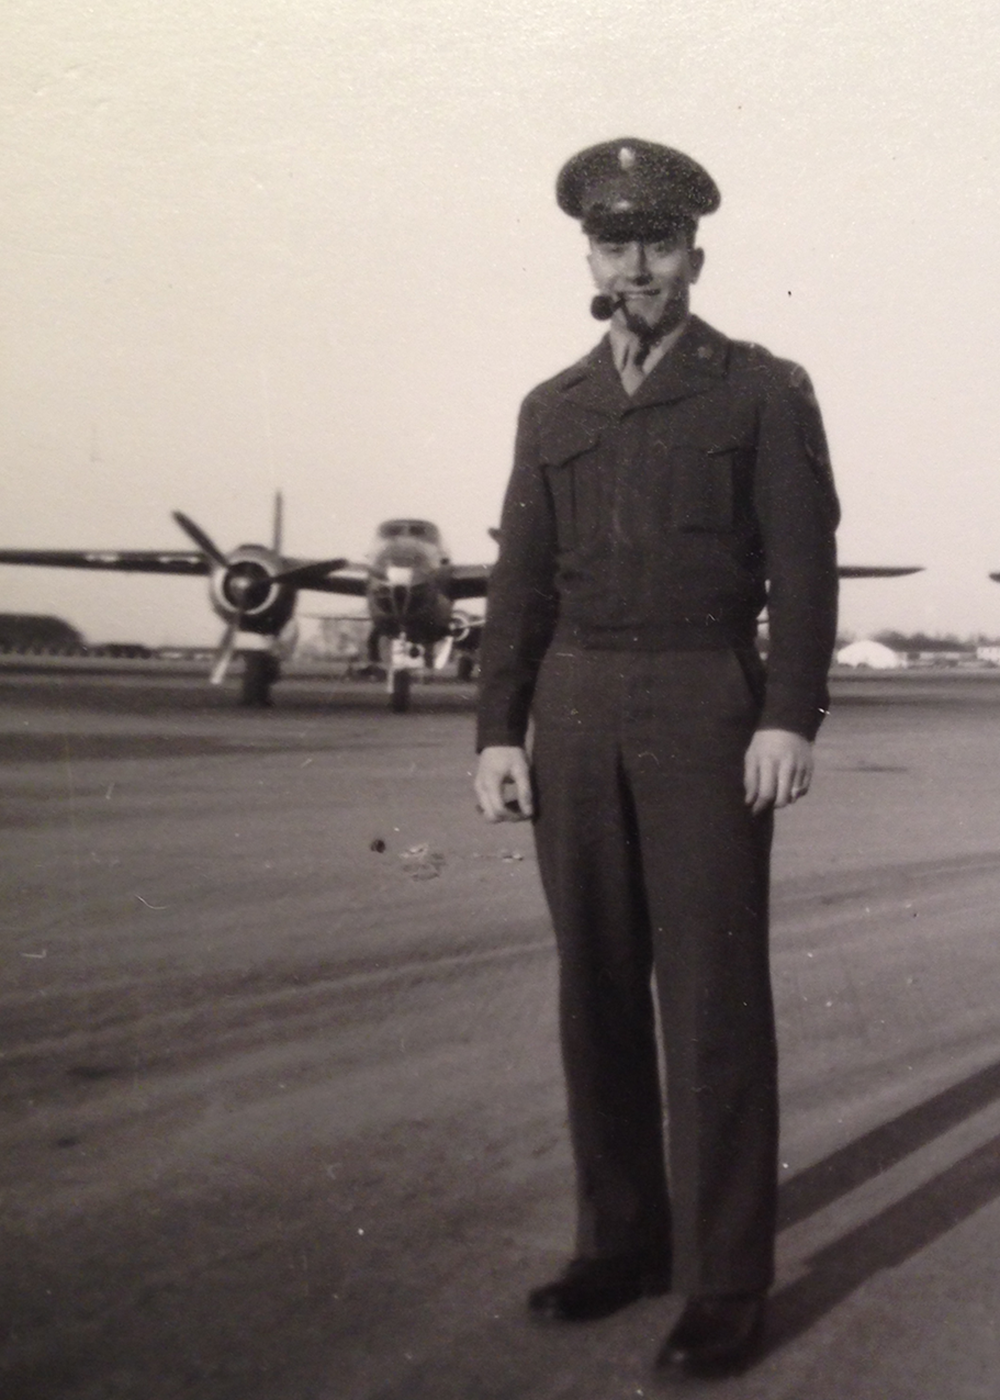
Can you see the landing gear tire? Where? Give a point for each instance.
(465, 667)
(260, 671)
(399, 694)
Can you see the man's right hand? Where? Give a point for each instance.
(503, 784)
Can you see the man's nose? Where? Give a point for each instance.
(636, 266)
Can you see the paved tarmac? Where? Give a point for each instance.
(282, 1114)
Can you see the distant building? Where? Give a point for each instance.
(942, 656)
(990, 654)
(874, 655)
(135, 651)
(34, 632)
(331, 638)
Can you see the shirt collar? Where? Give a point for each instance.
(625, 345)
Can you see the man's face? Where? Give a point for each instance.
(652, 278)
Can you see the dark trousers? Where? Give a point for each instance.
(652, 864)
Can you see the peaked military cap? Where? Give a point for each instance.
(634, 189)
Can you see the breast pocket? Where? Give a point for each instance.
(702, 488)
(570, 461)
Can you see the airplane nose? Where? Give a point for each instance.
(399, 578)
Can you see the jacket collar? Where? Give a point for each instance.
(696, 363)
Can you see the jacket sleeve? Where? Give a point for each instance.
(798, 512)
(521, 601)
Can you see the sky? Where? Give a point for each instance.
(314, 247)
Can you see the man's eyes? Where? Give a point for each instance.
(654, 250)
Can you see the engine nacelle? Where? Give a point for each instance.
(244, 588)
(460, 626)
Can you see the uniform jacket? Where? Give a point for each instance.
(667, 520)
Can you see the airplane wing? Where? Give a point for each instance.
(464, 581)
(470, 580)
(467, 580)
(351, 579)
(129, 561)
(877, 570)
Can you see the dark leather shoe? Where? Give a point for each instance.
(591, 1288)
(715, 1335)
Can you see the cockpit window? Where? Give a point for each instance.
(412, 529)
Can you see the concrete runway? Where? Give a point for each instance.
(283, 1115)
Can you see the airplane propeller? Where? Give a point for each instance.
(247, 583)
(297, 575)
(301, 575)
(278, 523)
(224, 655)
(208, 547)
(197, 534)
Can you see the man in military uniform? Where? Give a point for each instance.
(663, 489)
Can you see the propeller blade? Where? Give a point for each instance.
(224, 655)
(278, 522)
(302, 572)
(196, 533)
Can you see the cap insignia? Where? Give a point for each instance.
(626, 158)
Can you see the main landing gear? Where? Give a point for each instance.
(260, 671)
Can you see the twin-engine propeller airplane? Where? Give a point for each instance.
(409, 583)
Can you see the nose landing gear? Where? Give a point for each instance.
(399, 693)
(404, 659)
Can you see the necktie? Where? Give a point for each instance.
(632, 371)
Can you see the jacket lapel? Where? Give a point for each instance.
(597, 385)
(696, 363)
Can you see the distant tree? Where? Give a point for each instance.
(35, 632)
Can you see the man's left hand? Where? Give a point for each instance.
(777, 770)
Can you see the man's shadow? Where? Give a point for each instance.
(900, 1230)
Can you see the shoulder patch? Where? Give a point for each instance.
(748, 355)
